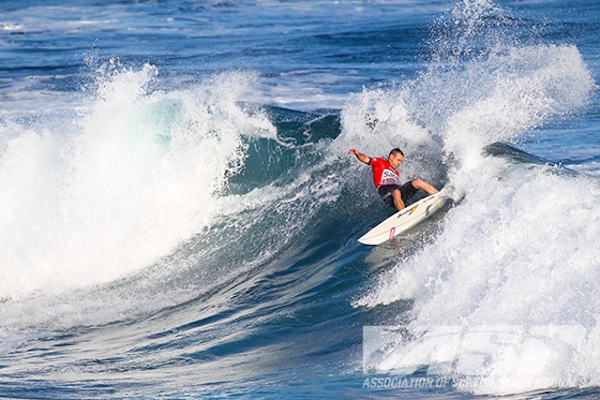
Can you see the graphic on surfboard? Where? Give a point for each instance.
(404, 220)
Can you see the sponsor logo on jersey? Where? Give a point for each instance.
(389, 178)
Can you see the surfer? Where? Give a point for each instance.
(387, 179)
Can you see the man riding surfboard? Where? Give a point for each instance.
(387, 179)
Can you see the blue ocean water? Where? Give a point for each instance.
(180, 212)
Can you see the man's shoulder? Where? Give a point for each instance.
(376, 161)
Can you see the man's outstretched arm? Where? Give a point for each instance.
(362, 157)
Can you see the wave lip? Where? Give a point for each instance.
(111, 190)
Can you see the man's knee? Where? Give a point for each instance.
(417, 183)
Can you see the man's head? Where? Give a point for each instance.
(396, 157)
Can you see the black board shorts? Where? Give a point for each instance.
(406, 192)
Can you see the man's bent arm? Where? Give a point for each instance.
(362, 157)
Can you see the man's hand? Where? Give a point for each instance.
(362, 157)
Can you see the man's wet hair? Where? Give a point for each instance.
(396, 150)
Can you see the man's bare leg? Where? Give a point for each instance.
(423, 185)
(398, 200)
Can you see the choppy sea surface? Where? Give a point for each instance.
(179, 213)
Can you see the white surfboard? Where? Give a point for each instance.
(404, 220)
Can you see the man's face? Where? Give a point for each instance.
(396, 159)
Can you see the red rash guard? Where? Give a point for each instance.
(383, 173)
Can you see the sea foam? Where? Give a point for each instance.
(91, 197)
(518, 251)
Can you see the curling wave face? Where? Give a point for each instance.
(98, 196)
